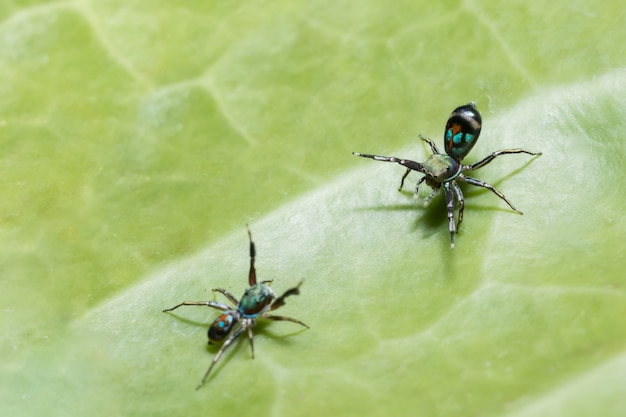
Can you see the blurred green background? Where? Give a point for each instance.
(136, 140)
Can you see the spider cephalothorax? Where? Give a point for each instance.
(257, 301)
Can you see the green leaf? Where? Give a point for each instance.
(137, 140)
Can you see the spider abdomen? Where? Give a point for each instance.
(222, 325)
(462, 131)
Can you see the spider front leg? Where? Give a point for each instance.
(410, 165)
(227, 294)
(490, 187)
(219, 353)
(213, 304)
(493, 156)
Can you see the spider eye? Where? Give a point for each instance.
(462, 131)
(222, 325)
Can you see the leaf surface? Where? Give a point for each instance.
(138, 139)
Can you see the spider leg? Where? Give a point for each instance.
(280, 301)
(251, 339)
(433, 147)
(219, 353)
(493, 155)
(227, 294)
(411, 165)
(283, 318)
(431, 195)
(417, 187)
(219, 306)
(450, 206)
(406, 174)
(483, 184)
(459, 197)
(252, 273)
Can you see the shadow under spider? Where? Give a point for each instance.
(261, 328)
(468, 191)
(190, 321)
(479, 190)
(431, 215)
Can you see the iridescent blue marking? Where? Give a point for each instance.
(222, 325)
(462, 130)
